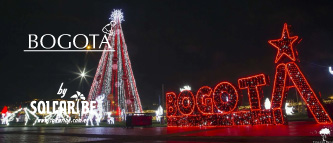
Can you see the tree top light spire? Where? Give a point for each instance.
(117, 15)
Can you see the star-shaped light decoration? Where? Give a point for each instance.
(284, 45)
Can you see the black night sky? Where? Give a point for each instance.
(174, 43)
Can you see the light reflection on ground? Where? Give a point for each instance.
(294, 132)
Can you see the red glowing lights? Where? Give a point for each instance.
(171, 105)
(204, 100)
(284, 45)
(225, 97)
(253, 85)
(186, 102)
(290, 73)
(219, 107)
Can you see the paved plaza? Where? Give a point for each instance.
(306, 132)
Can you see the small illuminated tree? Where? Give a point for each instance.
(324, 132)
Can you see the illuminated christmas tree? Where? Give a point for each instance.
(114, 75)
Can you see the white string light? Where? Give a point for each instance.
(289, 110)
(27, 117)
(58, 116)
(159, 113)
(11, 116)
(96, 113)
(123, 115)
(117, 15)
(267, 104)
(110, 119)
(324, 132)
(186, 87)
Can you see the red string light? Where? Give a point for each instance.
(205, 100)
(231, 97)
(253, 84)
(284, 45)
(218, 108)
(307, 94)
(186, 102)
(278, 94)
(171, 105)
(291, 72)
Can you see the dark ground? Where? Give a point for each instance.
(299, 132)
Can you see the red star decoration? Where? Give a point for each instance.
(284, 45)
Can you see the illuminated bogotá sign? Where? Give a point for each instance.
(218, 106)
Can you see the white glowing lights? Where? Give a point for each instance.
(83, 74)
(58, 116)
(289, 109)
(159, 113)
(27, 117)
(123, 115)
(5, 118)
(324, 132)
(117, 16)
(58, 111)
(186, 87)
(61, 115)
(96, 114)
(267, 104)
(8, 117)
(109, 118)
(330, 70)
